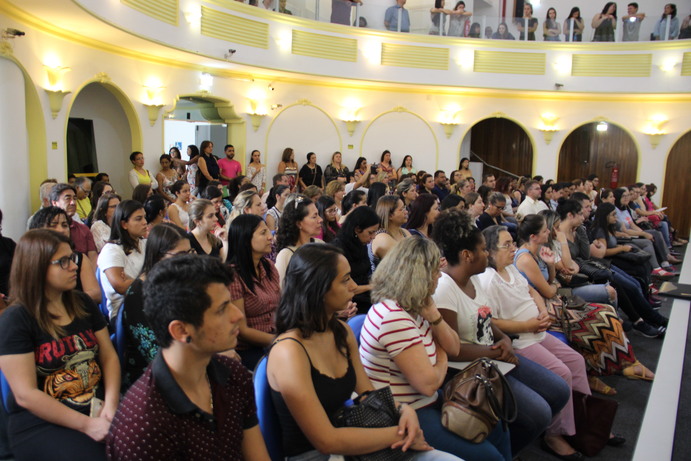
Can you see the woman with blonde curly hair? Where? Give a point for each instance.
(247, 202)
(404, 344)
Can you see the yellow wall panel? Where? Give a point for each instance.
(611, 65)
(422, 57)
(324, 46)
(508, 62)
(686, 65)
(234, 28)
(163, 10)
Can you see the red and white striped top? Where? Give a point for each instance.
(389, 330)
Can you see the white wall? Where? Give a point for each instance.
(14, 148)
(178, 131)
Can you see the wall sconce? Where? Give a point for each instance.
(371, 51)
(654, 129)
(349, 114)
(152, 90)
(206, 81)
(668, 65)
(284, 40)
(257, 112)
(548, 126)
(448, 118)
(602, 127)
(466, 59)
(351, 125)
(54, 76)
(55, 98)
(193, 16)
(153, 110)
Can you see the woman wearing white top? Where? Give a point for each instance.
(178, 212)
(257, 172)
(274, 214)
(122, 258)
(299, 224)
(519, 309)
(102, 219)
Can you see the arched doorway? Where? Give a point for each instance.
(100, 134)
(594, 148)
(502, 143)
(677, 186)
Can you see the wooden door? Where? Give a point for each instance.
(677, 186)
(586, 151)
(502, 143)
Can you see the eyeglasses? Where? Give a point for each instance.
(508, 246)
(66, 260)
(191, 251)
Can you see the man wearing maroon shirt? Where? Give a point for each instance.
(190, 403)
(65, 196)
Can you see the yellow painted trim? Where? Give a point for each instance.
(400, 109)
(611, 65)
(324, 46)
(419, 57)
(301, 102)
(330, 82)
(686, 65)
(163, 10)
(507, 62)
(37, 142)
(639, 153)
(235, 29)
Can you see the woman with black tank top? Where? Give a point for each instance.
(314, 365)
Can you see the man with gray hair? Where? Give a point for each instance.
(44, 194)
(83, 186)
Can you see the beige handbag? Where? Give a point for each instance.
(476, 399)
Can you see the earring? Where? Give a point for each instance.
(188, 339)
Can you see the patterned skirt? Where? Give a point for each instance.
(597, 333)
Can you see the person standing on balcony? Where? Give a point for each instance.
(392, 15)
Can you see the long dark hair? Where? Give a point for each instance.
(271, 199)
(118, 234)
(352, 198)
(294, 212)
(309, 277)
(419, 209)
(531, 225)
(240, 233)
(329, 229)
(606, 8)
(359, 162)
(600, 221)
(44, 217)
(567, 206)
(162, 238)
(574, 10)
(376, 191)
(195, 151)
(101, 210)
(153, 206)
(361, 218)
(32, 258)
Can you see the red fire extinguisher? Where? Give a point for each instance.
(614, 177)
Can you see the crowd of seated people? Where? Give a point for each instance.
(443, 270)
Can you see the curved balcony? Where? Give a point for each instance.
(229, 36)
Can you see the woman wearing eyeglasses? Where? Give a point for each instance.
(55, 218)
(56, 355)
(165, 241)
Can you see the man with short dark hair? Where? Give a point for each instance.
(440, 188)
(489, 180)
(102, 177)
(65, 196)
(279, 179)
(532, 203)
(190, 403)
(632, 23)
(228, 167)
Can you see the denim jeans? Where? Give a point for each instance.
(595, 293)
(635, 293)
(496, 447)
(540, 395)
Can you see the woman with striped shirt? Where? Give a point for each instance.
(404, 344)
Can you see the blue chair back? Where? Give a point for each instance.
(266, 412)
(559, 335)
(355, 324)
(103, 306)
(4, 391)
(119, 336)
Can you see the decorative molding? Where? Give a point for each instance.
(324, 46)
(611, 65)
(509, 62)
(163, 10)
(55, 99)
(234, 28)
(419, 57)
